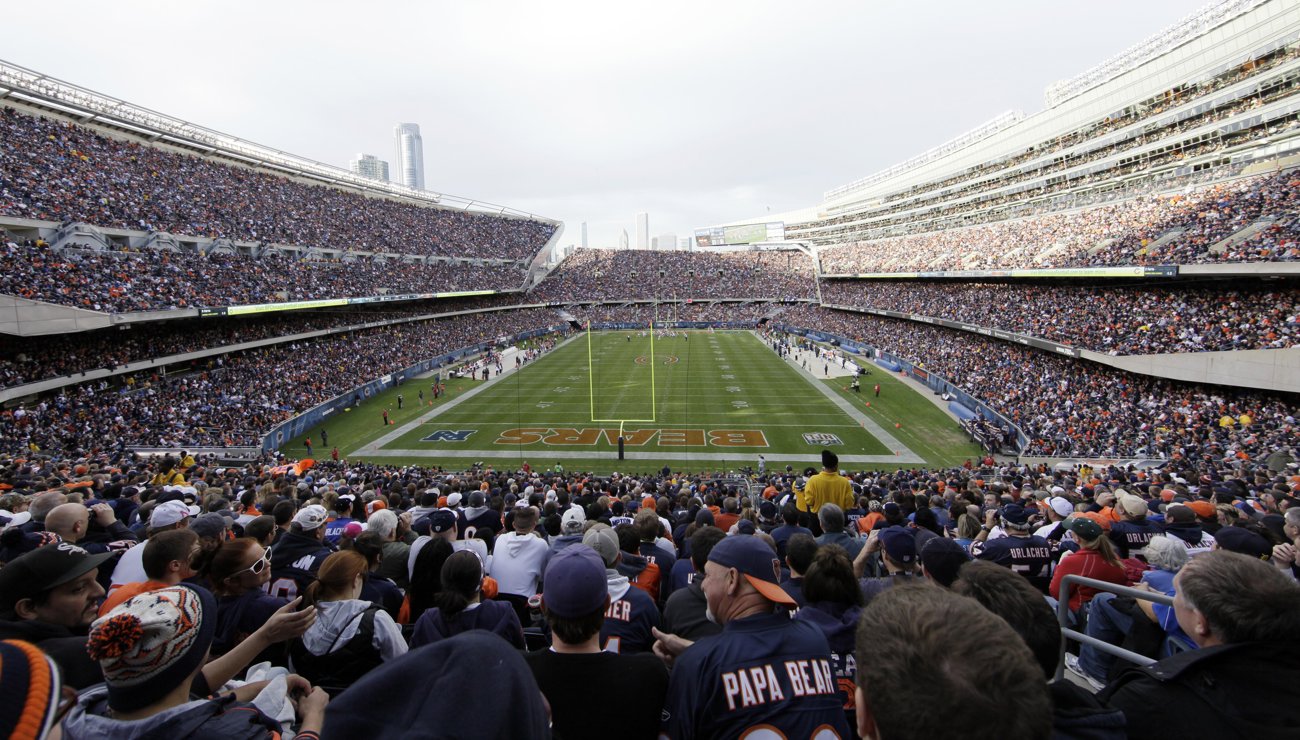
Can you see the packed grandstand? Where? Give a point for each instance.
(1115, 280)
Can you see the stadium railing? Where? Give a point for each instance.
(1063, 617)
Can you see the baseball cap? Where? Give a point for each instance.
(573, 520)
(311, 517)
(899, 543)
(441, 520)
(454, 499)
(744, 526)
(1133, 505)
(575, 584)
(1015, 514)
(1244, 541)
(1203, 509)
(42, 569)
(209, 525)
(942, 559)
(167, 513)
(374, 506)
(1085, 528)
(756, 562)
(1061, 505)
(603, 540)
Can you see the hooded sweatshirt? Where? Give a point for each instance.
(518, 561)
(641, 573)
(631, 616)
(337, 622)
(218, 719)
(1195, 538)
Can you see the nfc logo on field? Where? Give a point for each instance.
(449, 435)
(821, 439)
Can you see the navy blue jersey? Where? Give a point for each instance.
(294, 562)
(1031, 557)
(468, 526)
(628, 622)
(1131, 538)
(764, 671)
(683, 574)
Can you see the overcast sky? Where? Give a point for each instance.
(696, 112)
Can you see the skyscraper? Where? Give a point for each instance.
(368, 165)
(667, 242)
(643, 231)
(622, 240)
(410, 155)
(584, 235)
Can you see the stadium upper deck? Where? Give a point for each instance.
(1200, 100)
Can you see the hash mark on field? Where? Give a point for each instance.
(734, 389)
(740, 404)
(545, 405)
(560, 389)
(724, 367)
(728, 377)
(575, 377)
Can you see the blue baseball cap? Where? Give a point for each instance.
(1015, 514)
(756, 562)
(575, 584)
(899, 544)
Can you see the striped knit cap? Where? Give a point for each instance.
(30, 699)
(151, 643)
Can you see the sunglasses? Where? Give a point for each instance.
(259, 565)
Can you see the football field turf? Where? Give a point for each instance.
(715, 401)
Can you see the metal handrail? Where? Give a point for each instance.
(1063, 613)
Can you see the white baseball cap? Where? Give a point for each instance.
(168, 513)
(573, 519)
(454, 499)
(311, 517)
(1061, 505)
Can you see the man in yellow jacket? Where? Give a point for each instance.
(827, 487)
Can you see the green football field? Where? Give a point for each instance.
(710, 402)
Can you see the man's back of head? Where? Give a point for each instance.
(1230, 598)
(916, 678)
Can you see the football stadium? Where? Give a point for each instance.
(1000, 440)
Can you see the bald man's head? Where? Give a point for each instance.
(69, 521)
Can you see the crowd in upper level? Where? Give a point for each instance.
(54, 170)
(1145, 319)
(1167, 228)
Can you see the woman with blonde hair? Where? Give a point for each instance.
(351, 636)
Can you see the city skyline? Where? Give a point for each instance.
(410, 155)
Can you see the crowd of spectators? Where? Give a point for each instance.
(642, 274)
(1142, 319)
(640, 577)
(54, 170)
(1148, 109)
(1119, 233)
(742, 313)
(1072, 408)
(235, 399)
(30, 359)
(153, 280)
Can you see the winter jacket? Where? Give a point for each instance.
(1242, 690)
